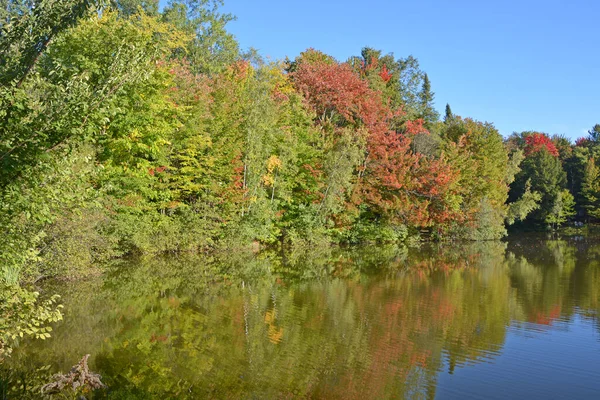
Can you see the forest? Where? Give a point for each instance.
(126, 129)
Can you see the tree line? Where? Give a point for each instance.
(126, 129)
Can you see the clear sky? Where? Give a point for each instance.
(521, 64)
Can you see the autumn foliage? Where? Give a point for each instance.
(331, 88)
(202, 143)
(538, 141)
(402, 185)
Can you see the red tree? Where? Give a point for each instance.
(401, 184)
(582, 142)
(538, 141)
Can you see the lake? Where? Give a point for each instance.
(498, 320)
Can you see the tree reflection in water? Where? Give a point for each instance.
(378, 322)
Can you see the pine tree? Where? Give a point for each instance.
(449, 116)
(426, 96)
(594, 133)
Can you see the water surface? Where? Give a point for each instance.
(494, 320)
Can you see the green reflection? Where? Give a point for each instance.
(380, 322)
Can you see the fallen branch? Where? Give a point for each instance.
(78, 378)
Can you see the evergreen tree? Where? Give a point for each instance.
(449, 116)
(426, 97)
(520, 209)
(564, 147)
(590, 189)
(594, 133)
(575, 167)
(547, 176)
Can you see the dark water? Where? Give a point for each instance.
(494, 321)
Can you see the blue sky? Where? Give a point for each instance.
(523, 65)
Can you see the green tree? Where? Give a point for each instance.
(448, 114)
(590, 189)
(398, 80)
(594, 133)
(213, 48)
(483, 162)
(564, 147)
(27, 31)
(28, 126)
(519, 210)
(547, 177)
(427, 110)
(131, 7)
(575, 169)
(87, 79)
(562, 208)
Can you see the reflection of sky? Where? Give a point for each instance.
(561, 361)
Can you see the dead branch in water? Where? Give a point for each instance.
(79, 378)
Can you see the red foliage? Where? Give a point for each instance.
(153, 171)
(332, 88)
(582, 141)
(238, 172)
(542, 318)
(188, 88)
(240, 69)
(385, 74)
(368, 65)
(372, 64)
(538, 141)
(403, 185)
(158, 338)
